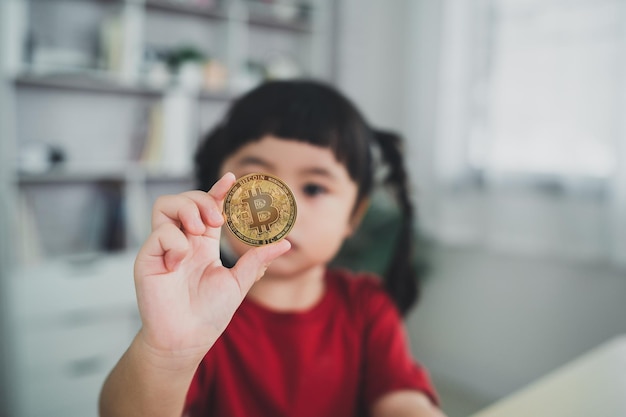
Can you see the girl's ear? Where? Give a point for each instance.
(357, 216)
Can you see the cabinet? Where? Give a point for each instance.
(102, 103)
(69, 324)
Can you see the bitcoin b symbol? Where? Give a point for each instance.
(261, 209)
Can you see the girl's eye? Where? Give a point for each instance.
(313, 190)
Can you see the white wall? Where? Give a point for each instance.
(421, 102)
(490, 323)
(5, 178)
(388, 63)
(371, 69)
(4, 254)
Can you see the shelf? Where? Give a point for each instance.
(163, 177)
(214, 12)
(88, 82)
(187, 8)
(216, 95)
(60, 176)
(65, 177)
(84, 81)
(267, 20)
(274, 23)
(115, 75)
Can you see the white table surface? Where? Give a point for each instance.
(594, 385)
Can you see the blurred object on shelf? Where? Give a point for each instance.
(151, 152)
(111, 43)
(158, 75)
(170, 135)
(28, 246)
(190, 76)
(74, 48)
(255, 72)
(39, 157)
(154, 67)
(287, 10)
(252, 74)
(177, 57)
(178, 132)
(282, 67)
(185, 64)
(59, 57)
(215, 76)
(185, 67)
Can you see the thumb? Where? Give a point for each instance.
(252, 265)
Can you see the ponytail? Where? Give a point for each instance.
(401, 276)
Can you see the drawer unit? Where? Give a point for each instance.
(69, 326)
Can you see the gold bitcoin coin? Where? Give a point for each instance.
(260, 209)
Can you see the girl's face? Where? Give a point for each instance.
(324, 192)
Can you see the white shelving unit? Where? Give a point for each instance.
(86, 79)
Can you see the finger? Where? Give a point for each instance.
(221, 187)
(179, 210)
(163, 250)
(216, 196)
(206, 207)
(210, 203)
(252, 265)
(192, 210)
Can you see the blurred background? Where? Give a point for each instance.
(514, 116)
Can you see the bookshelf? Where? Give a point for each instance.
(144, 68)
(102, 103)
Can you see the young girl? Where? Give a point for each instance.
(216, 340)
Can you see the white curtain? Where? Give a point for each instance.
(527, 147)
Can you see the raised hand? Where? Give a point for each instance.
(186, 297)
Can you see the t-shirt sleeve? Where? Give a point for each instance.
(389, 365)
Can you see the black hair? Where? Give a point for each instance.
(401, 279)
(316, 113)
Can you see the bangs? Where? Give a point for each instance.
(304, 111)
(301, 111)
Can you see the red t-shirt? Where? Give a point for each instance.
(335, 359)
